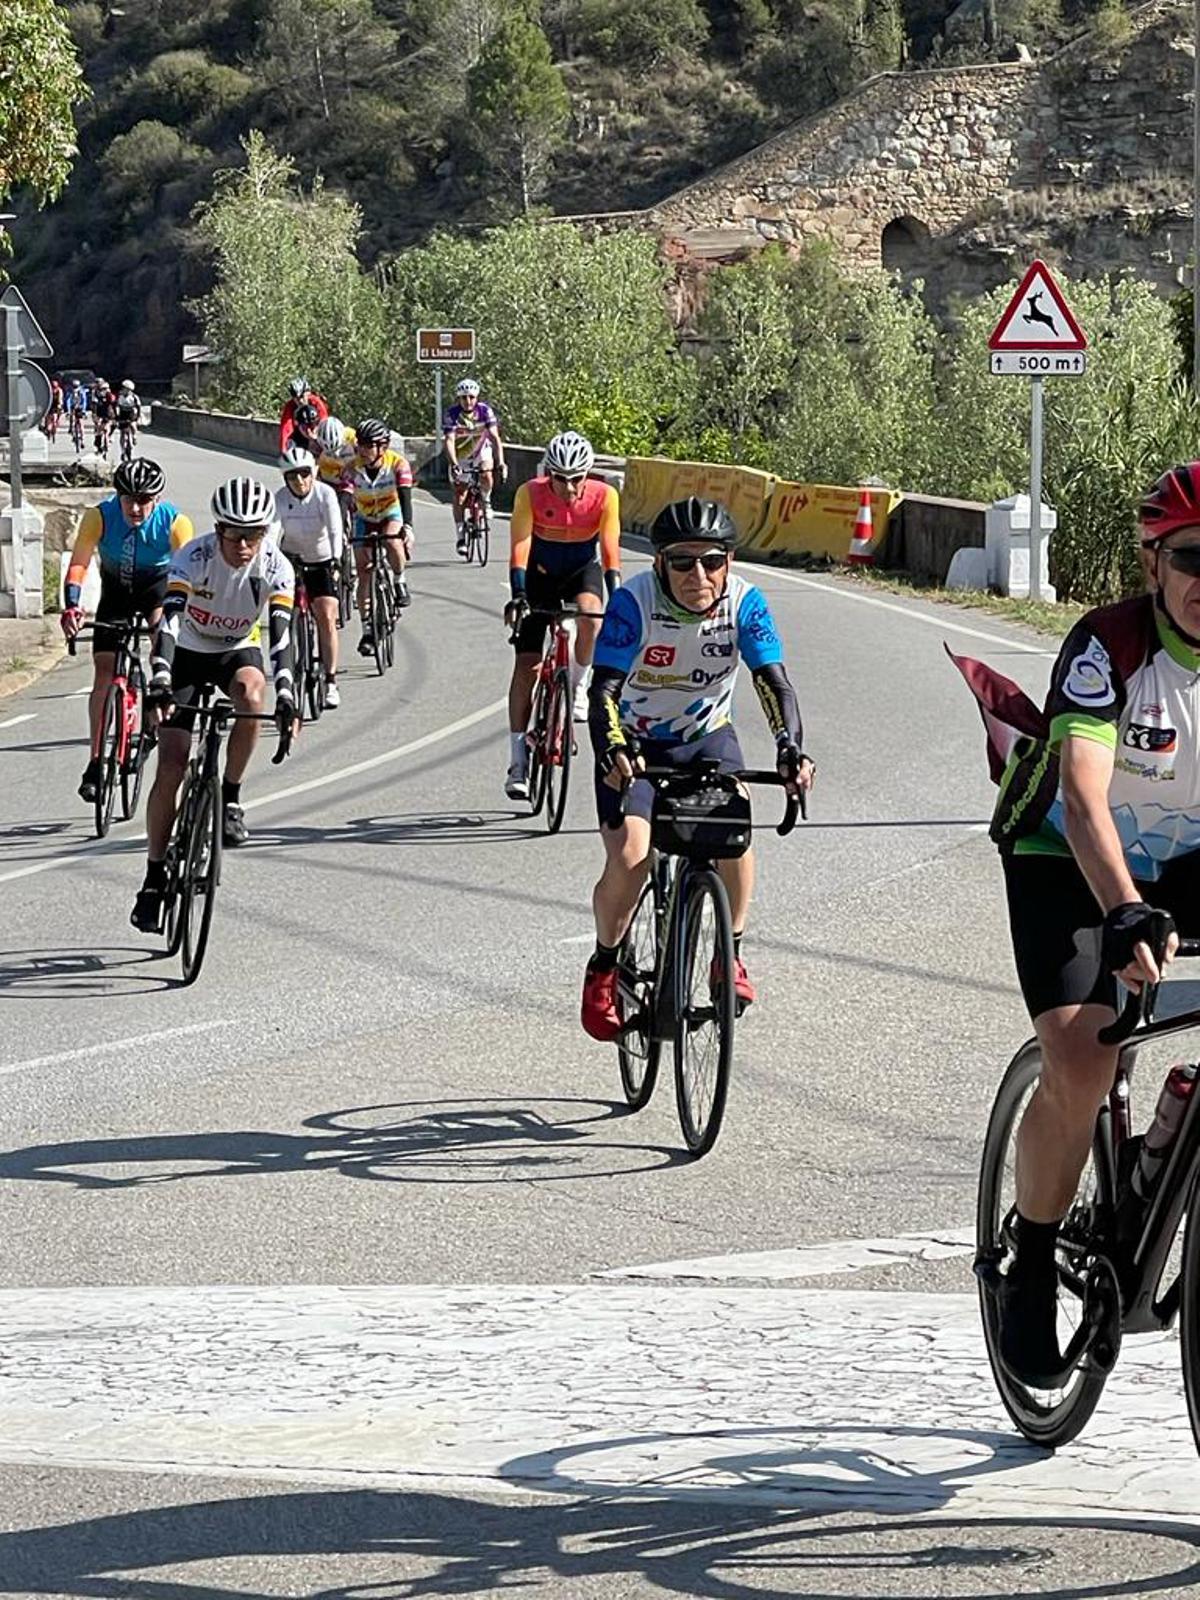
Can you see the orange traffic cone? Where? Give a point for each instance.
(860, 553)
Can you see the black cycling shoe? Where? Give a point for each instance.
(89, 784)
(1028, 1305)
(234, 831)
(366, 645)
(146, 915)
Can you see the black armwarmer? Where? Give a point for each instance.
(604, 709)
(406, 503)
(279, 625)
(779, 703)
(162, 649)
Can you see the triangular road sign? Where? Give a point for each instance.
(1038, 318)
(34, 342)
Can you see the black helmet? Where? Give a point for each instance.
(139, 477)
(693, 519)
(373, 430)
(307, 416)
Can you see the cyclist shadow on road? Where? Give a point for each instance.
(439, 827)
(447, 1142)
(56, 974)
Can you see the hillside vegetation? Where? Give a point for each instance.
(430, 113)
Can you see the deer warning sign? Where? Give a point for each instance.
(1038, 335)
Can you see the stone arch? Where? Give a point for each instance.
(906, 246)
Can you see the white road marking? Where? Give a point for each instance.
(579, 938)
(810, 1261)
(139, 1041)
(823, 1400)
(342, 773)
(78, 694)
(11, 722)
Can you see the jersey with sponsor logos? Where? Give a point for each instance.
(222, 605)
(377, 488)
(469, 427)
(681, 670)
(1125, 679)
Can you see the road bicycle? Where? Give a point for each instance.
(50, 425)
(124, 744)
(476, 518)
(385, 604)
(1118, 1271)
(347, 579)
(193, 860)
(675, 964)
(128, 428)
(310, 674)
(551, 735)
(76, 431)
(101, 437)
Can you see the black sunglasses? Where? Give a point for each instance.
(568, 477)
(244, 535)
(1185, 559)
(711, 561)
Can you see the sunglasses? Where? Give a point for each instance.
(711, 561)
(299, 472)
(244, 535)
(574, 478)
(1186, 559)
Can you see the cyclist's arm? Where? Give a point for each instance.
(331, 517)
(520, 540)
(87, 538)
(404, 482)
(610, 540)
(162, 647)
(450, 443)
(497, 441)
(778, 700)
(287, 423)
(1086, 769)
(181, 531)
(279, 633)
(617, 647)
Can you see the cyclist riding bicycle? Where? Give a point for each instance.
(565, 533)
(103, 411)
(666, 665)
(471, 438)
(337, 446)
(299, 394)
(210, 634)
(1098, 822)
(383, 503)
(134, 534)
(129, 407)
(310, 535)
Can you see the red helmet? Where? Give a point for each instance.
(1174, 502)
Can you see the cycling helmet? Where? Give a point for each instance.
(100, 383)
(243, 503)
(297, 459)
(691, 519)
(140, 478)
(373, 430)
(468, 389)
(331, 435)
(298, 388)
(307, 417)
(1174, 502)
(75, 383)
(569, 454)
(126, 383)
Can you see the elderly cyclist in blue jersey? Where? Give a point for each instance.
(663, 677)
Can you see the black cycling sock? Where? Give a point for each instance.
(604, 958)
(737, 944)
(156, 875)
(1035, 1242)
(231, 793)
(93, 766)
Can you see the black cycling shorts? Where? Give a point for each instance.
(546, 591)
(721, 745)
(121, 602)
(192, 669)
(1056, 926)
(318, 577)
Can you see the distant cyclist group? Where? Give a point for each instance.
(109, 412)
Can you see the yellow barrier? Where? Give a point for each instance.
(817, 519)
(652, 482)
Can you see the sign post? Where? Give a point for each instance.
(26, 396)
(439, 347)
(194, 356)
(1037, 337)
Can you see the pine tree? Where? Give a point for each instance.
(519, 107)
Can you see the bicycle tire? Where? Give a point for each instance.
(379, 619)
(468, 528)
(173, 897)
(202, 872)
(560, 741)
(537, 749)
(346, 583)
(300, 649)
(639, 1051)
(1189, 1320)
(314, 677)
(133, 766)
(485, 538)
(109, 747)
(1049, 1425)
(701, 1126)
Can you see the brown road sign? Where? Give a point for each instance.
(446, 346)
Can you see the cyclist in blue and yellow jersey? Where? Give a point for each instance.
(133, 534)
(565, 545)
(383, 503)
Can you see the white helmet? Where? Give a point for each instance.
(570, 454)
(468, 389)
(331, 435)
(127, 383)
(296, 459)
(244, 503)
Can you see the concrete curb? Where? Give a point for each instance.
(41, 661)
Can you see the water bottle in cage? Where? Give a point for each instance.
(1160, 1136)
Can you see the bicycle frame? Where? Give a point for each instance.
(128, 649)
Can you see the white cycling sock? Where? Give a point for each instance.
(578, 673)
(517, 751)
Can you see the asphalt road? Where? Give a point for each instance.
(232, 1368)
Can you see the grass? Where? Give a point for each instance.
(16, 664)
(1043, 616)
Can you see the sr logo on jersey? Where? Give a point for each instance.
(659, 655)
(1159, 741)
(1089, 680)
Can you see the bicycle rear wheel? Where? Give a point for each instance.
(638, 1050)
(136, 753)
(560, 742)
(110, 744)
(1047, 1417)
(704, 1010)
(202, 873)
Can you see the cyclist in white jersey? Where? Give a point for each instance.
(310, 535)
(663, 676)
(218, 586)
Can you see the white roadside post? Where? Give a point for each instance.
(1037, 337)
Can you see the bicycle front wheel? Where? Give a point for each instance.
(485, 537)
(136, 753)
(380, 621)
(202, 873)
(301, 646)
(704, 1010)
(538, 747)
(1047, 1417)
(638, 1049)
(314, 678)
(560, 744)
(110, 745)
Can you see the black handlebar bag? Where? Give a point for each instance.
(705, 819)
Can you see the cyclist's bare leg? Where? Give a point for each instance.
(520, 691)
(456, 505)
(325, 610)
(587, 631)
(626, 862)
(486, 480)
(362, 566)
(738, 877)
(394, 546)
(248, 691)
(1056, 1131)
(104, 663)
(173, 747)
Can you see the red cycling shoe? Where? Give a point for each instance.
(598, 1012)
(743, 989)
